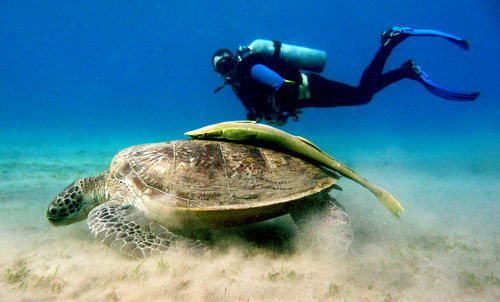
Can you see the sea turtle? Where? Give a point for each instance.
(152, 195)
(253, 133)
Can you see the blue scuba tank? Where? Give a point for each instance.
(302, 57)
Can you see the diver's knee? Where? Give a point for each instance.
(364, 99)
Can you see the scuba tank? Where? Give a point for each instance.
(302, 57)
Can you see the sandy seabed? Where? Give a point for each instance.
(445, 248)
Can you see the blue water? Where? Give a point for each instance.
(81, 80)
(118, 66)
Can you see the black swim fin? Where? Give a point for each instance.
(399, 33)
(437, 89)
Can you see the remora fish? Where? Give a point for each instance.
(267, 136)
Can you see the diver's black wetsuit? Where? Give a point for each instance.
(263, 103)
(273, 90)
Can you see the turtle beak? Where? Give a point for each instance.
(55, 221)
(52, 216)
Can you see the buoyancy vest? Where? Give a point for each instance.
(261, 100)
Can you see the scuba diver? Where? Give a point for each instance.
(266, 76)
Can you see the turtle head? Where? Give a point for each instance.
(73, 204)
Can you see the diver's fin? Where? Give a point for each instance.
(399, 33)
(438, 89)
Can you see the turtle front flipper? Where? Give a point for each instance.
(126, 229)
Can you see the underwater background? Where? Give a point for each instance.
(80, 80)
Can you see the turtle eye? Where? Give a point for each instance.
(53, 211)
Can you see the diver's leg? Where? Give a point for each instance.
(375, 68)
(389, 78)
(372, 80)
(327, 93)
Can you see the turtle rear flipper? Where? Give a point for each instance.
(126, 229)
(324, 225)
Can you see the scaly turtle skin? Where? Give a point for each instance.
(153, 193)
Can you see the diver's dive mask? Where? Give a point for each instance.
(225, 66)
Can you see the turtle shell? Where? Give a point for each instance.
(216, 183)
